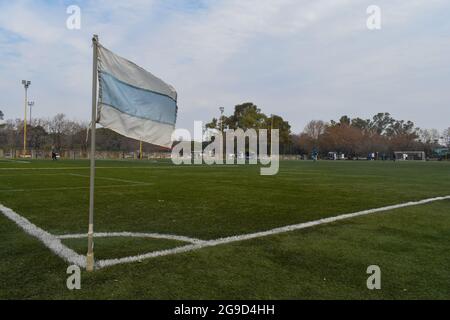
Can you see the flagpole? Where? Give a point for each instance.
(25, 123)
(90, 253)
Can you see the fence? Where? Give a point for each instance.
(80, 155)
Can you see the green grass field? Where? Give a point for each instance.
(411, 245)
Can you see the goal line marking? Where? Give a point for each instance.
(55, 245)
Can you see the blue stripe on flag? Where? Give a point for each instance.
(137, 102)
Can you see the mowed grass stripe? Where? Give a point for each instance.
(211, 202)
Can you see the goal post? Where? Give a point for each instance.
(410, 155)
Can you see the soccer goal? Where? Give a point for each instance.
(410, 155)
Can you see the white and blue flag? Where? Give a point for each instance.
(133, 102)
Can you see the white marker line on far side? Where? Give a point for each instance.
(76, 188)
(106, 178)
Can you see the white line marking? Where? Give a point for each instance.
(67, 168)
(74, 168)
(70, 174)
(105, 178)
(15, 161)
(133, 235)
(76, 188)
(212, 243)
(49, 240)
(32, 174)
(55, 245)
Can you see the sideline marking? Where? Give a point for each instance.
(54, 242)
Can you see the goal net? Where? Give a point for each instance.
(410, 155)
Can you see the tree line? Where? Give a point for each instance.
(353, 137)
(61, 134)
(357, 137)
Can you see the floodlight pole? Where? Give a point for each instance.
(25, 122)
(31, 104)
(222, 109)
(140, 150)
(90, 253)
(26, 84)
(271, 129)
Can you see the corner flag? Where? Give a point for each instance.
(132, 102)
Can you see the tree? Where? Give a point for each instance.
(361, 124)
(56, 129)
(310, 138)
(315, 128)
(214, 124)
(284, 130)
(401, 127)
(246, 116)
(446, 136)
(1, 115)
(108, 139)
(381, 122)
(249, 116)
(343, 121)
(306, 143)
(37, 137)
(342, 138)
(428, 135)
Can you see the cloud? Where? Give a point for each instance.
(300, 59)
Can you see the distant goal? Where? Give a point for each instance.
(410, 155)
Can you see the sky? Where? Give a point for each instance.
(302, 60)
